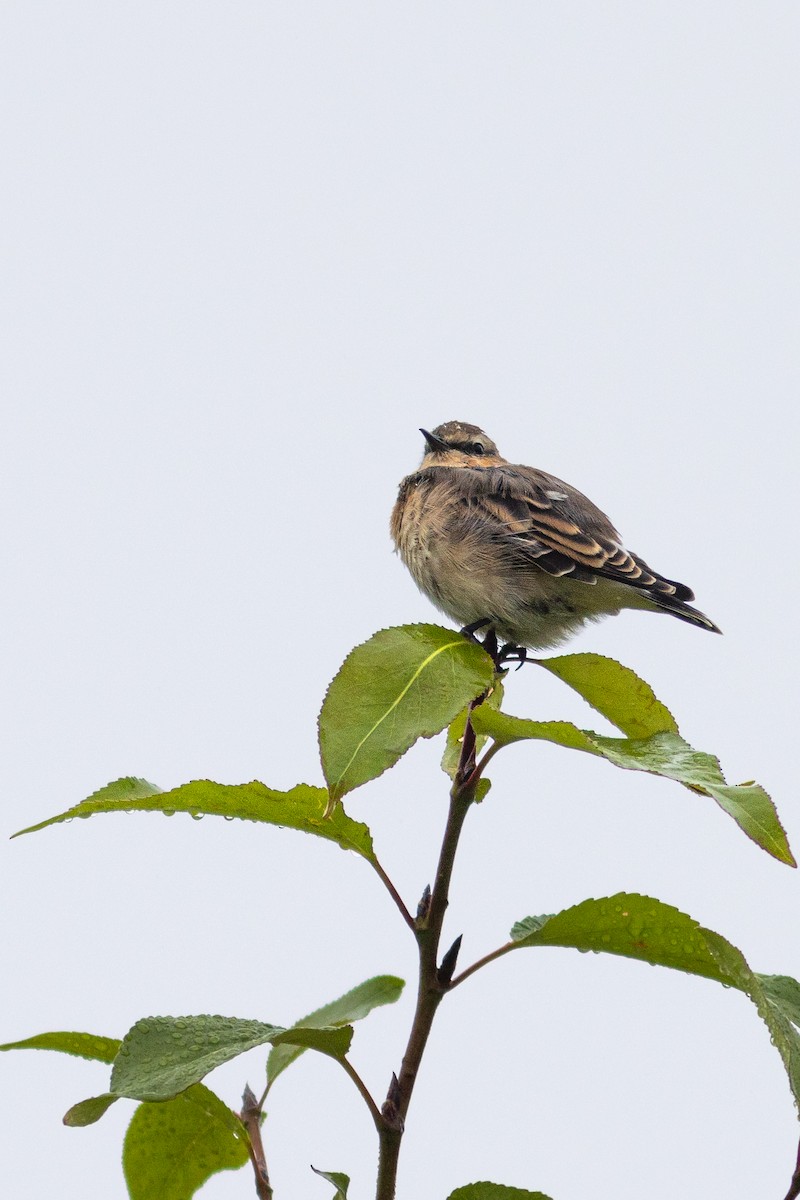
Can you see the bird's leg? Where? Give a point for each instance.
(498, 655)
(507, 653)
(489, 642)
(469, 631)
(491, 647)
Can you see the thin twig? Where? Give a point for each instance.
(430, 988)
(374, 1111)
(794, 1190)
(487, 758)
(482, 962)
(393, 892)
(251, 1119)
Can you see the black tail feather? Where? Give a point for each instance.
(683, 611)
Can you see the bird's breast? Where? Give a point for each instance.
(413, 524)
(437, 539)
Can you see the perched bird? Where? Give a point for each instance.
(516, 550)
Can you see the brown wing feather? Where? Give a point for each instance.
(550, 524)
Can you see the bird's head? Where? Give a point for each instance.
(457, 444)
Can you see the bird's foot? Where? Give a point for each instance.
(489, 642)
(500, 655)
(509, 653)
(469, 631)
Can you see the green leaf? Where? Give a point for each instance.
(302, 808)
(668, 755)
(665, 754)
(89, 1111)
(481, 789)
(631, 925)
(455, 731)
(83, 1045)
(640, 927)
(335, 1041)
(615, 691)
(352, 1006)
(506, 730)
(172, 1148)
(494, 1191)
(783, 993)
(340, 1182)
(402, 684)
(162, 1056)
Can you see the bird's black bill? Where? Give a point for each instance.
(433, 441)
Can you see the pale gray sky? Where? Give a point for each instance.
(248, 250)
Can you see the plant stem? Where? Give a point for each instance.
(430, 989)
(488, 756)
(393, 892)
(374, 1111)
(483, 962)
(794, 1190)
(251, 1119)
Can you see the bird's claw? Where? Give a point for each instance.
(510, 653)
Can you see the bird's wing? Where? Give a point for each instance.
(548, 523)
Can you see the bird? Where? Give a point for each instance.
(513, 549)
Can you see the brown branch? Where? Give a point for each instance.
(374, 1111)
(482, 962)
(431, 986)
(393, 892)
(251, 1119)
(794, 1190)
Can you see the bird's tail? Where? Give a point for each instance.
(683, 611)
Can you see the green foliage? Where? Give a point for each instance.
(784, 993)
(86, 1112)
(494, 1191)
(352, 1006)
(340, 1182)
(630, 925)
(301, 808)
(171, 1149)
(161, 1056)
(455, 731)
(616, 692)
(83, 1045)
(654, 932)
(401, 685)
(665, 754)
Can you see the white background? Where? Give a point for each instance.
(248, 250)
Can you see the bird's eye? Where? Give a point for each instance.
(476, 448)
